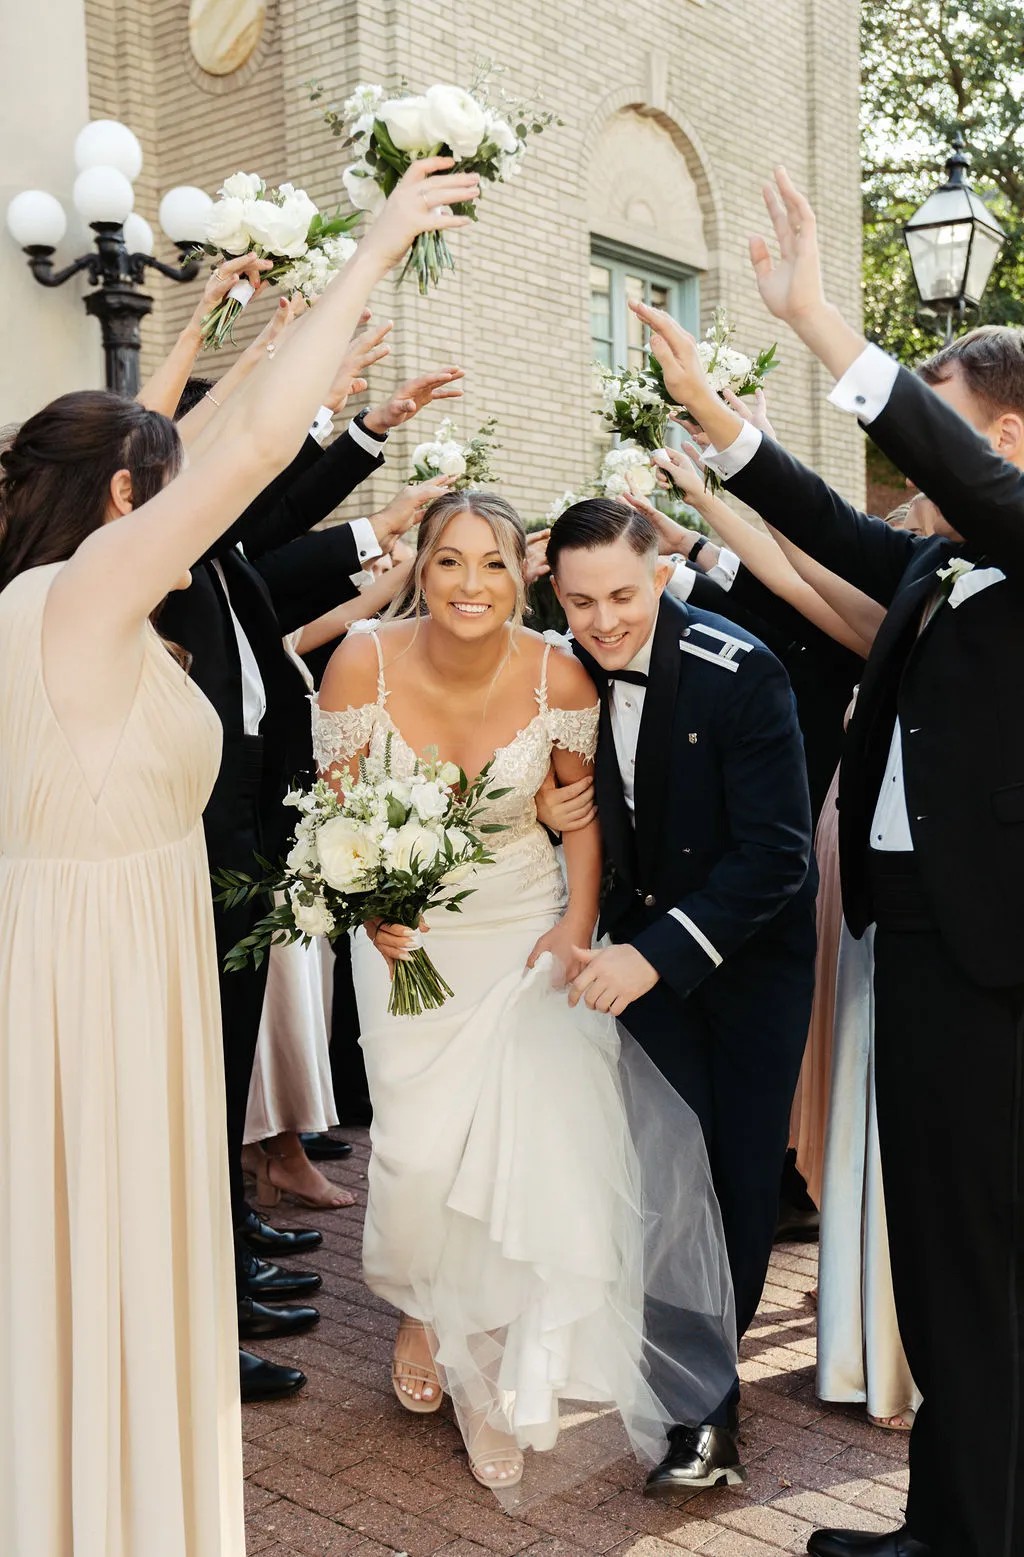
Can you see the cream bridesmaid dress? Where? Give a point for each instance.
(119, 1402)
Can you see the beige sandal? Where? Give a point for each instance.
(269, 1194)
(413, 1374)
(501, 1466)
(902, 1422)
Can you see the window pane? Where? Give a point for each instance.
(661, 295)
(601, 304)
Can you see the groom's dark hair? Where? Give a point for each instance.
(600, 521)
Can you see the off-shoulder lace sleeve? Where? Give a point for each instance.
(575, 730)
(339, 733)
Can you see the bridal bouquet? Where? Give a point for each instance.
(388, 132)
(626, 468)
(633, 405)
(282, 225)
(379, 847)
(469, 463)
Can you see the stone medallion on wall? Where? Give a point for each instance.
(224, 34)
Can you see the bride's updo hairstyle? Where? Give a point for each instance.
(509, 539)
(55, 473)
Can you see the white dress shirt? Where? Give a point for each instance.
(626, 708)
(724, 572)
(864, 391)
(254, 694)
(367, 545)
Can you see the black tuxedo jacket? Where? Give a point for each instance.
(956, 686)
(721, 849)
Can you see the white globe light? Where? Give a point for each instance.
(35, 218)
(138, 235)
(105, 143)
(183, 213)
(103, 195)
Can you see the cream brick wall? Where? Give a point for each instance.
(738, 84)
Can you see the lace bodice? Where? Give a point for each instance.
(520, 766)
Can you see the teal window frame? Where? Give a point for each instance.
(680, 282)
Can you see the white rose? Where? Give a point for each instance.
(226, 226)
(429, 802)
(346, 853)
(500, 133)
(413, 842)
(243, 186)
(450, 460)
(448, 775)
(281, 229)
(456, 118)
(641, 480)
(362, 188)
(405, 119)
(615, 486)
(426, 454)
(312, 918)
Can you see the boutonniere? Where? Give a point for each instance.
(949, 577)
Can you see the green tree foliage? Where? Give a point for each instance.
(930, 68)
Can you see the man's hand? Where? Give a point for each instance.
(406, 510)
(790, 287)
(612, 978)
(361, 353)
(753, 409)
(566, 810)
(411, 398)
(536, 557)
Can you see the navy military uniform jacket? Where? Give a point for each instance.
(721, 850)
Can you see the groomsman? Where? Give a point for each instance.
(701, 790)
(932, 849)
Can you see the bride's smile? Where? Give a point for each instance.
(467, 586)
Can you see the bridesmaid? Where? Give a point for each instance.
(119, 1397)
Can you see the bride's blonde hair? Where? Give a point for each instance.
(509, 538)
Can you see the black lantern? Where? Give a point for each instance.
(954, 241)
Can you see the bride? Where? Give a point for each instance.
(535, 1254)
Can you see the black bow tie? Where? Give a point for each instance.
(636, 678)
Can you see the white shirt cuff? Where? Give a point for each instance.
(864, 388)
(725, 569)
(365, 440)
(322, 425)
(729, 462)
(680, 583)
(367, 546)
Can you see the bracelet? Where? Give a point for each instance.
(209, 396)
(695, 549)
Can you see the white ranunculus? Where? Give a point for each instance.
(226, 226)
(448, 774)
(413, 843)
(242, 186)
(346, 853)
(455, 117)
(312, 918)
(450, 460)
(405, 119)
(429, 801)
(501, 134)
(362, 188)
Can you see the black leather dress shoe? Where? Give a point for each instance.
(266, 1380)
(797, 1224)
(324, 1148)
(698, 1458)
(854, 1543)
(276, 1242)
(270, 1284)
(257, 1322)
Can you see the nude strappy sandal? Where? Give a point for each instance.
(414, 1374)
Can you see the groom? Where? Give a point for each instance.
(701, 790)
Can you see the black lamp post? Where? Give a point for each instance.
(109, 157)
(954, 242)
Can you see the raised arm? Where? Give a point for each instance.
(162, 390)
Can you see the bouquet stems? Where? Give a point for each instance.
(218, 325)
(429, 257)
(417, 987)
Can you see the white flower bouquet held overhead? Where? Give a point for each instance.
(372, 847)
(485, 131)
(633, 405)
(469, 463)
(626, 468)
(305, 247)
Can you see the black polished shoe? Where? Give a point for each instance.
(276, 1242)
(854, 1543)
(698, 1458)
(266, 1380)
(797, 1224)
(257, 1322)
(324, 1148)
(270, 1284)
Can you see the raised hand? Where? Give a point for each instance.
(245, 267)
(676, 351)
(409, 400)
(536, 565)
(361, 353)
(420, 202)
(406, 509)
(791, 286)
(688, 477)
(753, 409)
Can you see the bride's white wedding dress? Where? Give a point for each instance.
(535, 1187)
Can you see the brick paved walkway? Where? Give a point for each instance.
(343, 1471)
